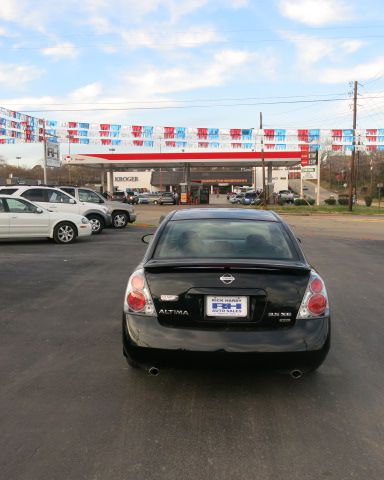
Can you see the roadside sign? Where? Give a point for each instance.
(52, 154)
(313, 157)
(309, 172)
(304, 158)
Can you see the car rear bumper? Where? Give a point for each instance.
(147, 340)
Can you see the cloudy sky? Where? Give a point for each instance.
(194, 63)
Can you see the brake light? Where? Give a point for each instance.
(137, 296)
(136, 301)
(315, 300)
(317, 304)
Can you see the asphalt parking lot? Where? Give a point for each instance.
(72, 409)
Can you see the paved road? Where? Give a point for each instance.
(71, 409)
(310, 189)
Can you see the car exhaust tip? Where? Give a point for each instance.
(296, 373)
(154, 371)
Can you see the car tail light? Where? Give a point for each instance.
(136, 301)
(315, 300)
(137, 296)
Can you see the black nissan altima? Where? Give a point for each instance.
(225, 286)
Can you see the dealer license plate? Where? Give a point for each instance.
(226, 306)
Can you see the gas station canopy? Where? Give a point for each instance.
(117, 161)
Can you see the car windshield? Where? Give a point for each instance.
(223, 238)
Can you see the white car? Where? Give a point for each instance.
(286, 196)
(122, 213)
(237, 198)
(19, 218)
(56, 200)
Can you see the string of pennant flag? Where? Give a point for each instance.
(16, 127)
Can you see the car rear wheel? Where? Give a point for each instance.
(120, 219)
(97, 223)
(64, 232)
(131, 361)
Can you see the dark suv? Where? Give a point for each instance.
(131, 197)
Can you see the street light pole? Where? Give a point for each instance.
(263, 162)
(69, 155)
(45, 159)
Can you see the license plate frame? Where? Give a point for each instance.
(227, 306)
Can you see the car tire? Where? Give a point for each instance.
(120, 219)
(155, 202)
(131, 361)
(64, 233)
(97, 223)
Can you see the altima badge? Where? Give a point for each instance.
(227, 278)
(169, 298)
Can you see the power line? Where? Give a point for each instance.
(174, 107)
(163, 30)
(156, 44)
(180, 101)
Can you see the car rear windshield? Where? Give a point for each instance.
(224, 238)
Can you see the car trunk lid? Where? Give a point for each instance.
(201, 294)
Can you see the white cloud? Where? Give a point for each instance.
(25, 12)
(192, 37)
(351, 46)
(15, 76)
(89, 92)
(362, 71)
(101, 24)
(10, 10)
(311, 50)
(238, 3)
(225, 65)
(316, 12)
(61, 50)
(186, 7)
(26, 103)
(133, 11)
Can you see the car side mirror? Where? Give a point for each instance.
(72, 200)
(298, 239)
(39, 210)
(147, 238)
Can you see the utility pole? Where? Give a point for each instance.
(357, 167)
(318, 178)
(352, 163)
(45, 158)
(263, 161)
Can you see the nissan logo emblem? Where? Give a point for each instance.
(227, 278)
